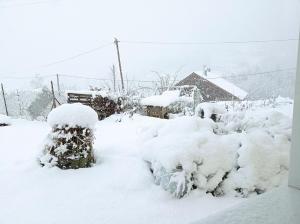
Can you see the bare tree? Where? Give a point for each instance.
(165, 81)
(113, 72)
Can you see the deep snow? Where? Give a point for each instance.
(244, 153)
(118, 189)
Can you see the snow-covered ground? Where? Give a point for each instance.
(119, 189)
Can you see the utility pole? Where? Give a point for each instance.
(113, 70)
(4, 100)
(58, 84)
(53, 96)
(119, 60)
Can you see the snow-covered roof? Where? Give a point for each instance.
(215, 78)
(75, 114)
(163, 100)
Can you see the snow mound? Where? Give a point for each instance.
(73, 115)
(5, 120)
(243, 153)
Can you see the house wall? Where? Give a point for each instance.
(209, 91)
(294, 171)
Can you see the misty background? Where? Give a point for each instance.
(74, 38)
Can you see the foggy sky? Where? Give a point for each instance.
(33, 35)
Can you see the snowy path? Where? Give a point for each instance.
(118, 189)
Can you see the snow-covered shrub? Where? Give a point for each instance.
(180, 107)
(4, 120)
(176, 181)
(244, 153)
(70, 144)
(209, 110)
(132, 104)
(262, 159)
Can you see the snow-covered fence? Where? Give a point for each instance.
(70, 144)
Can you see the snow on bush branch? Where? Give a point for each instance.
(245, 152)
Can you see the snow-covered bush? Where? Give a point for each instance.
(176, 181)
(4, 120)
(262, 163)
(209, 110)
(70, 144)
(244, 153)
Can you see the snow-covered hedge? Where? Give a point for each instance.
(243, 153)
(70, 144)
(209, 110)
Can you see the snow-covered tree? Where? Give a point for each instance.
(41, 105)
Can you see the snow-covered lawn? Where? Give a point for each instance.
(119, 189)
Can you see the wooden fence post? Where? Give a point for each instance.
(53, 96)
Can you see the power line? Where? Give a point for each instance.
(83, 77)
(254, 74)
(24, 4)
(101, 79)
(69, 58)
(26, 77)
(77, 55)
(145, 81)
(217, 77)
(208, 43)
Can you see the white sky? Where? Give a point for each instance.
(32, 35)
